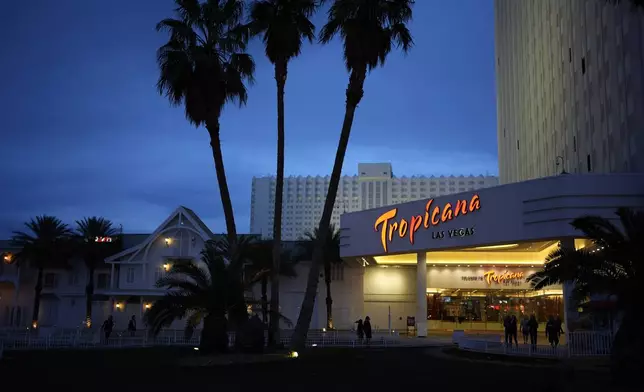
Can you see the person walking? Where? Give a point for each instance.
(525, 329)
(513, 331)
(131, 326)
(533, 326)
(360, 330)
(107, 327)
(506, 329)
(552, 332)
(367, 329)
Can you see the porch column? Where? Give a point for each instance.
(421, 295)
(112, 278)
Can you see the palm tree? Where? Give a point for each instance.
(261, 266)
(331, 256)
(203, 67)
(94, 252)
(611, 266)
(283, 26)
(46, 244)
(211, 292)
(369, 29)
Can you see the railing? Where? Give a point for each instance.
(87, 339)
(579, 344)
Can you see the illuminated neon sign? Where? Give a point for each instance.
(103, 239)
(505, 277)
(434, 216)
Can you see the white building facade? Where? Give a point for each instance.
(374, 186)
(570, 87)
(125, 283)
(420, 259)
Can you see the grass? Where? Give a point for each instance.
(327, 369)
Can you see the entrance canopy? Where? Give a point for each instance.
(507, 217)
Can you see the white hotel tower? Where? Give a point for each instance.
(374, 186)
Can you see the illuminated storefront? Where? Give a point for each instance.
(461, 261)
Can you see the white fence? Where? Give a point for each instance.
(579, 344)
(83, 339)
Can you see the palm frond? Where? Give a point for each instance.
(283, 26)
(203, 65)
(369, 29)
(47, 242)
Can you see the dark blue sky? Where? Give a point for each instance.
(84, 131)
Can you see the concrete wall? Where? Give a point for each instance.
(388, 289)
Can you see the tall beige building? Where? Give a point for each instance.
(570, 87)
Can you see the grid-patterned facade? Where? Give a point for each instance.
(374, 186)
(570, 87)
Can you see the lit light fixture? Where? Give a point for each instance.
(88, 323)
(293, 354)
(196, 348)
(7, 258)
(166, 267)
(147, 306)
(118, 305)
(168, 241)
(323, 329)
(490, 247)
(34, 325)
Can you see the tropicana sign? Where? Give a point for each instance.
(433, 217)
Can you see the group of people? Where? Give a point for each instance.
(529, 329)
(364, 330)
(108, 327)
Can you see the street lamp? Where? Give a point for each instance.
(563, 169)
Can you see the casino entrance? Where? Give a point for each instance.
(484, 310)
(469, 289)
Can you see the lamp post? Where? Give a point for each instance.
(563, 169)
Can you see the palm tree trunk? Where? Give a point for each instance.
(89, 296)
(354, 95)
(214, 335)
(274, 327)
(37, 293)
(215, 144)
(329, 300)
(265, 300)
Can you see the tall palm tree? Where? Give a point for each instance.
(211, 292)
(283, 26)
(613, 265)
(331, 257)
(47, 243)
(369, 29)
(203, 67)
(94, 252)
(261, 267)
